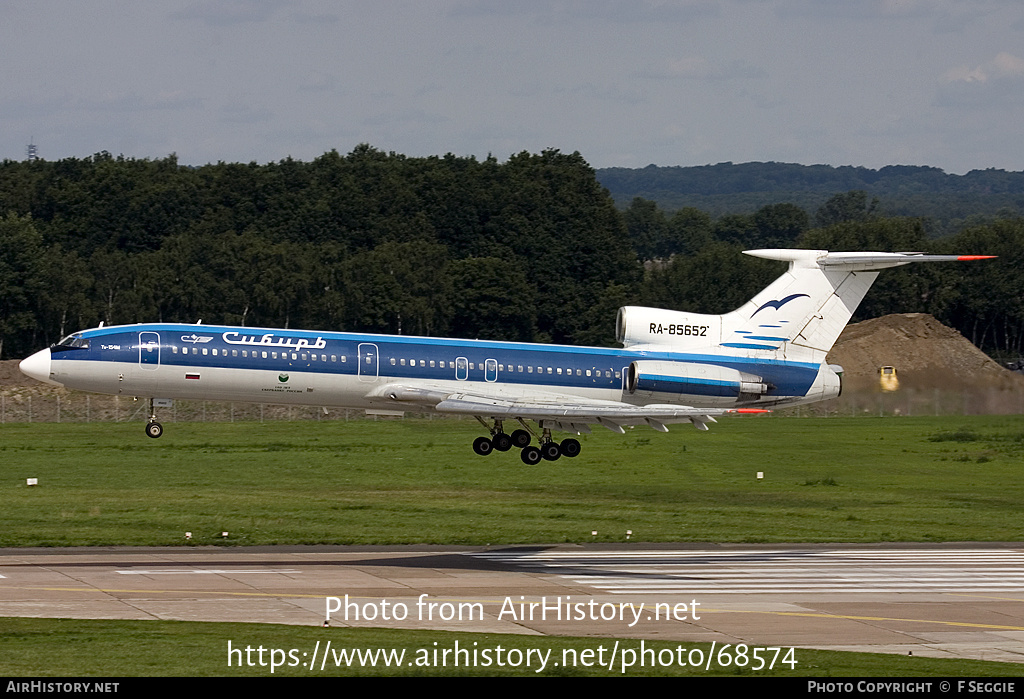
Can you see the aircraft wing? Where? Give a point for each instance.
(565, 412)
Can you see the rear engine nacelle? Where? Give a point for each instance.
(683, 382)
(637, 325)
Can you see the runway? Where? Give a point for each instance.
(934, 600)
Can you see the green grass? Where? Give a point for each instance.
(85, 648)
(417, 481)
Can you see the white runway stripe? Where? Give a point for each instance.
(740, 572)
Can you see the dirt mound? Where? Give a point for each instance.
(927, 355)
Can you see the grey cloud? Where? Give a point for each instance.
(226, 13)
(617, 11)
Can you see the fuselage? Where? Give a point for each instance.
(334, 369)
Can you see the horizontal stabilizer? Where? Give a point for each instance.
(800, 315)
(859, 261)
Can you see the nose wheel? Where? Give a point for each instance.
(153, 428)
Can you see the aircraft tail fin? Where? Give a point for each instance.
(803, 312)
(798, 316)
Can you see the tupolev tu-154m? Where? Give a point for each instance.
(673, 366)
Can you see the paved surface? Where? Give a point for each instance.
(943, 600)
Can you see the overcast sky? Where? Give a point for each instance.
(624, 82)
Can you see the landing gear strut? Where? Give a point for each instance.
(153, 428)
(548, 449)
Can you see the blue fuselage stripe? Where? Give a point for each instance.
(383, 355)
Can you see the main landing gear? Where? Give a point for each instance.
(549, 449)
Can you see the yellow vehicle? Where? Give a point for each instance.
(887, 378)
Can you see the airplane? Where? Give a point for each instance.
(673, 366)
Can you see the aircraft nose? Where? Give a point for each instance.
(38, 367)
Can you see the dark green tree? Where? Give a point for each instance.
(21, 284)
(492, 300)
(849, 206)
(648, 228)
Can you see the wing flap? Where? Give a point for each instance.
(570, 413)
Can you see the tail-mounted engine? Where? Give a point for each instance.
(682, 382)
(637, 325)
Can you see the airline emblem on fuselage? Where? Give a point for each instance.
(193, 338)
(268, 340)
(282, 378)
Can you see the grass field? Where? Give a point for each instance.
(417, 481)
(87, 648)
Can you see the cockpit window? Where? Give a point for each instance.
(74, 341)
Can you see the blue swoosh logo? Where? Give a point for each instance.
(777, 304)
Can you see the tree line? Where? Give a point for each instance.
(531, 249)
(947, 202)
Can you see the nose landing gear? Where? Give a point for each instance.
(153, 428)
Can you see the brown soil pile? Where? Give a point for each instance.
(927, 355)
